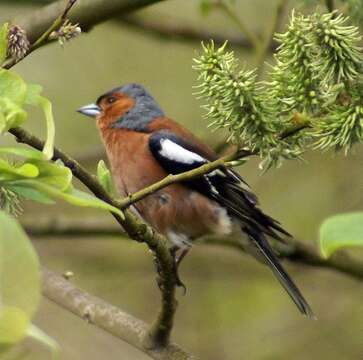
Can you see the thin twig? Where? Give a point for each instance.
(330, 5)
(39, 24)
(87, 14)
(268, 39)
(44, 38)
(57, 24)
(171, 179)
(253, 39)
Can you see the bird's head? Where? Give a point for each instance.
(127, 107)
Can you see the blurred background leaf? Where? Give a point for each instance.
(340, 231)
(19, 281)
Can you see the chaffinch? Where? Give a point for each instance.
(143, 146)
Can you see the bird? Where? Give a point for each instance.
(143, 146)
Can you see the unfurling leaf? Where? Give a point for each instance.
(14, 94)
(104, 176)
(71, 195)
(33, 97)
(30, 154)
(340, 231)
(45, 181)
(13, 172)
(12, 87)
(11, 115)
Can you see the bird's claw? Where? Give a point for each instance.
(176, 262)
(178, 281)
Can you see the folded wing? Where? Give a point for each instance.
(176, 155)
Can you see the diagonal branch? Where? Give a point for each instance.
(105, 316)
(187, 175)
(159, 333)
(40, 24)
(44, 38)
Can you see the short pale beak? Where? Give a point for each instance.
(91, 110)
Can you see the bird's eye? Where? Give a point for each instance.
(111, 100)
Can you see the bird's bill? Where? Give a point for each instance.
(91, 110)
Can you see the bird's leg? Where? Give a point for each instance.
(177, 260)
(181, 256)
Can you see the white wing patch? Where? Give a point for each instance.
(175, 152)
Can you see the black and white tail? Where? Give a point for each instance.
(272, 261)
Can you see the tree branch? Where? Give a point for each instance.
(86, 12)
(297, 251)
(44, 38)
(105, 316)
(40, 24)
(159, 333)
(173, 29)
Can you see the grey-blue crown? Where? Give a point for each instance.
(145, 109)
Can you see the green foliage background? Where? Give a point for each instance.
(233, 305)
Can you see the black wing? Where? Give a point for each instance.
(227, 188)
(222, 185)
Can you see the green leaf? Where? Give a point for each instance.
(32, 93)
(39, 335)
(33, 98)
(343, 230)
(12, 86)
(14, 93)
(10, 171)
(104, 176)
(13, 325)
(71, 195)
(3, 42)
(29, 193)
(81, 198)
(19, 280)
(32, 154)
(54, 174)
(11, 114)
